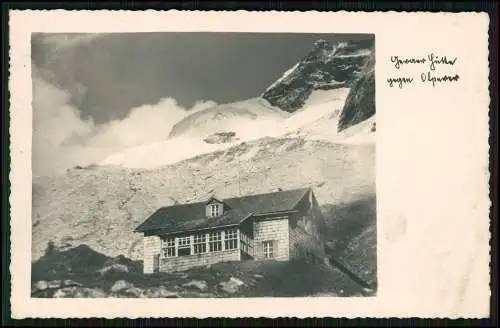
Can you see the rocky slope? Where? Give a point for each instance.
(360, 103)
(326, 67)
(100, 206)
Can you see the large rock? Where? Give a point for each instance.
(121, 285)
(79, 292)
(201, 285)
(133, 292)
(231, 286)
(221, 137)
(40, 285)
(114, 268)
(55, 284)
(159, 292)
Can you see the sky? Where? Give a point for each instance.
(95, 94)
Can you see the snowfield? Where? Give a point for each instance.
(226, 117)
(159, 154)
(316, 117)
(250, 120)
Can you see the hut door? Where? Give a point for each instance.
(156, 263)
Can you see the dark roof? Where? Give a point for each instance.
(191, 216)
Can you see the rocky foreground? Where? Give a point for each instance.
(81, 272)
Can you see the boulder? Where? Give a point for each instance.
(236, 281)
(232, 286)
(79, 292)
(40, 285)
(134, 292)
(113, 268)
(201, 285)
(221, 137)
(159, 292)
(69, 283)
(121, 285)
(54, 284)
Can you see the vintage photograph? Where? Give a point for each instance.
(203, 165)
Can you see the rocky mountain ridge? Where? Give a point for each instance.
(360, 103)
(325, 67)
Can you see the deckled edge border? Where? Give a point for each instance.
(492, 125)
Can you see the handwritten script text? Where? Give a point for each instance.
(431, 64)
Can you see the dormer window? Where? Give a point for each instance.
(214, 210)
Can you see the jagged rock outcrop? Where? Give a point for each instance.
(360, 102)
(221, 137)
(326, 67)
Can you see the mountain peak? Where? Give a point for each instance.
(327, 66)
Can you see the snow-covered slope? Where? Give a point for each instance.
(320, 81)
(162, 153)
(228, 117)
(325, 128)
(247, 121)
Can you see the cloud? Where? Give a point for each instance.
(62, 41)
(62, 139)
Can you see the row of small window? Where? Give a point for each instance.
(215, 243)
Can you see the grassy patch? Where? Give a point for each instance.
(344, 222)
(352, 235)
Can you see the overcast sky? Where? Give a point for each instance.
(110, 74)
(97, 94)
